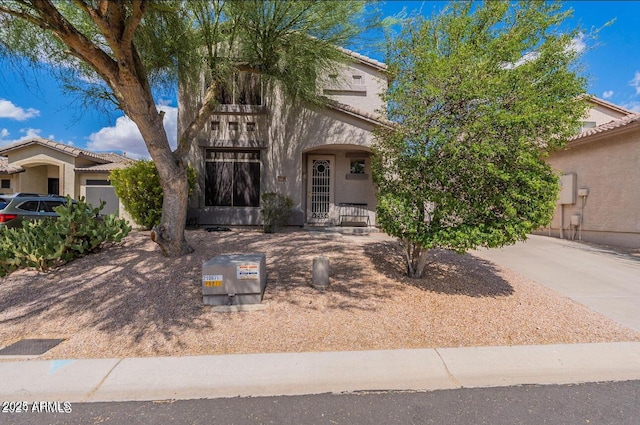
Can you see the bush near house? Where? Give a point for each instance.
(138, 187)
(275, 210)
(48, 243)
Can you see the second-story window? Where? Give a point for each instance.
(244, 89)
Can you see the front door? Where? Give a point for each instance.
(53, 186)
(320, 203)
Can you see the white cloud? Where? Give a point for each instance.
(9, 110)
(30, 133)
(578, 44)
(527, 57)
(633, 106)
(125, 136)
(636, 82)
(607, 94)
(27, 133)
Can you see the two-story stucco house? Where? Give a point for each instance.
(257, 142)
(600, 198)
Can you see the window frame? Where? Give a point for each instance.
(235, 157)
(235, 94)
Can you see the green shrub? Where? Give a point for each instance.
(275, 210)
(48, 243)
(138, 187)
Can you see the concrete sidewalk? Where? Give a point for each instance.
(195, 377)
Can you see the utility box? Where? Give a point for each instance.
(234, 279)
(567, 189)
(575, 220)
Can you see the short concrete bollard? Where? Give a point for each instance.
(320, 272)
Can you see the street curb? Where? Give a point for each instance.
(277, 374)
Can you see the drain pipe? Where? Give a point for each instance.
(561, 221)
(582, 193)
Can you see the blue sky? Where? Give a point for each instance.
(41, 108)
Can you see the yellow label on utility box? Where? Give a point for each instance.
(210, 280)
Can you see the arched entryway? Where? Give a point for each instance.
(40, 178)
(339, 188)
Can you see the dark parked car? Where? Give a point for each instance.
(16, 208)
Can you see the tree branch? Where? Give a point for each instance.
(198, 122)
(54, 21)
(94, 14)
(139, 10)
(35, 20)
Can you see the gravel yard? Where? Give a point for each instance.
(128, 301)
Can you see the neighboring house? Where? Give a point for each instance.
(47, 167)
(257, 142)
(600, 196)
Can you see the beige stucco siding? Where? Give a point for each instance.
(289, 135)
(284, 136)
(358, 85)
(610, 169)
(601, 115)
(286, 133)
(41, 163)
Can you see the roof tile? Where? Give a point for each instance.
(611, 125)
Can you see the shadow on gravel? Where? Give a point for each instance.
(120, 289)
(290, 264)
(133, 289)
(446, 272)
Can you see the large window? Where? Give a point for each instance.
(245, 89)
(232, 178)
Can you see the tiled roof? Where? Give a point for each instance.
(104, 167)
(629, 120)
(367, 116)
(602, 102)
(5, 168)
(114, 157)
(105, 161)
(61, 147)
(364, 59)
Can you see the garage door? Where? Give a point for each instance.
(107, 193)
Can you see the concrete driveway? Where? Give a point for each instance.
(605, 281)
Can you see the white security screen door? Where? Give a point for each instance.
(320, 189)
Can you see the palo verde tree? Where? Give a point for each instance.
(121, 51)
(481, 92)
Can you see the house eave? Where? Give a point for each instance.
(356, 113)
(592, 138)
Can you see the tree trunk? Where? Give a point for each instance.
(169, 234)
(172, 170)
(416, 259)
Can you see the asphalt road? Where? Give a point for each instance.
(615, 403)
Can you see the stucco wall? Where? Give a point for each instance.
(610, 169)
(41, 163)
(362, 92)
(286, 133)
(601, 115)
(12, 184)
